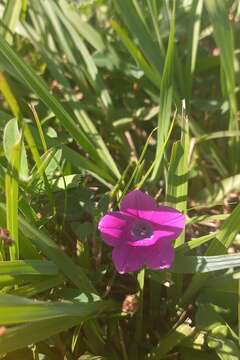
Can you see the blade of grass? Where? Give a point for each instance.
(16, 309)
(223, 240)
(82, 27)
(79, 161)
(224, 37)
(177, 188)
(34, 332)
(38, 286)
(166, 98)
(10, 18)
(133, 177)
(215, 193)
(204, 264)
(150, 73)
(37, 85)
(11, 191)
(192, 244)
(138, 30)
(151, 167)
(28, 267)
(154, 17)
(51, 250)
(176, 336)
(194, 32)
(59, 22)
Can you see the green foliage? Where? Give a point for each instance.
(98, 98)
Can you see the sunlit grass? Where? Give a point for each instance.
(99, 98)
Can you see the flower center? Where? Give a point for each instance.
(141, 230)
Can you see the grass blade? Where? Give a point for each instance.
(36, 84)
(223, 240)
(10, 18)
(166, 98)
(51, 250)
(138, 30)
(28, 267)
(16, 310)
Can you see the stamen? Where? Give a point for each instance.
(141, 230)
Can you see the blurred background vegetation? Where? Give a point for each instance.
(99, 97)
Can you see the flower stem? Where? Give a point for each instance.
(140, 279)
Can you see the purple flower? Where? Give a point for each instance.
(141, 233)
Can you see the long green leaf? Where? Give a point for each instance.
(138, 30)
(224, 37)
(36, 84)
(85, 29)
(34, 332)
(12, 194)
(182, 332)
(16, 310)
(203, 264)
(166, 98)
(51, 250)
(28, 267)
(150, 73)
(10, 18)
(223, 240)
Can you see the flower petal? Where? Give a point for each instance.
(166, 221)
(128, 259)
(160, 256)
(114, 227)
(146, 242)
(136, 201)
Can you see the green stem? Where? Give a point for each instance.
(140, 279)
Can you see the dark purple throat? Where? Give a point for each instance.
(141, 230)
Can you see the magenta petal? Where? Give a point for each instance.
(146, 242)
(160, 256)
(128, 259)
(136, 201)
(167, 222)
(114, 228)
